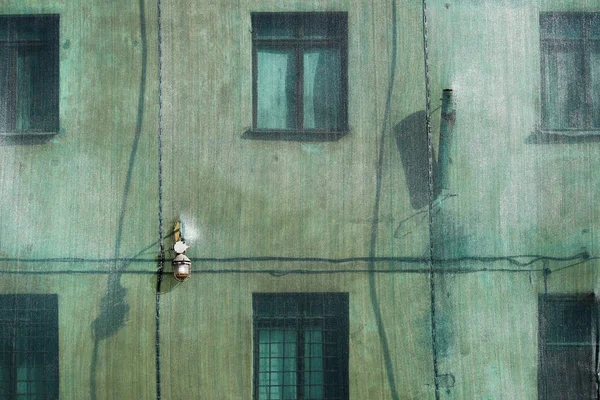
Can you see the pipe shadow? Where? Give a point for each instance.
(411, 141)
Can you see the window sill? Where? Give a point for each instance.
(297, 136)
(26, 138)
(28, 133)
(542, 136)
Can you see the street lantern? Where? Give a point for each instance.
(182, 265)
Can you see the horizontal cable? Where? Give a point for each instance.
(511, 259)
(282, 272)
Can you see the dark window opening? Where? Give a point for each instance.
(299, 73)
(29, 74)
(568, 341)
(29, 347)
(570, 51)
(301, 346)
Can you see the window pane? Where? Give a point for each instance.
(263, 392)
(595, 26)
(29, 75)
(29, 352)
(5, 372)
(289, 391)
(569, 374)
(322, 89)
(34, 28)
(275, 392)
(324, 370)
(313, 365)
(44, 80)
(25, 87)
(564, 95)
(274, 26)
(314, 389)
(30, 380)
(595, 83)
(324, 26)
(36, 90)
(276, 90)
(23, 388)
(561, 26)
(277, 364)
(568, 322)
(567, 348)
(5, 92)
(4, 29)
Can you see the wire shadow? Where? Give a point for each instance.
(113, 307)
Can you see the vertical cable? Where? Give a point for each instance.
(161, 244)
(595, 312)
(430, 195)
(597, 350)
(547, 272)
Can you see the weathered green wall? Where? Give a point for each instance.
(75, 207)
(67, 203)
(513, 197)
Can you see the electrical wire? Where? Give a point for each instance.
(430, 203)
(161, 245)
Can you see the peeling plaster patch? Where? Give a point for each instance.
(444, 337)
(493, 375)
(313, 148)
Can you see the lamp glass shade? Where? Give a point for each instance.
(182, 267)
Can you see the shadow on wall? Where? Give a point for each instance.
(411, 140)
(113, 310)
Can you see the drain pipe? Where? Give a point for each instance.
(446, 128)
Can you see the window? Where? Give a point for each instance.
(570, 48)
(567, 346)
(301, 346)
(28, 347)
(28, 74)
(299, 73)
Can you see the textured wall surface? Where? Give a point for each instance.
(439, 282)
